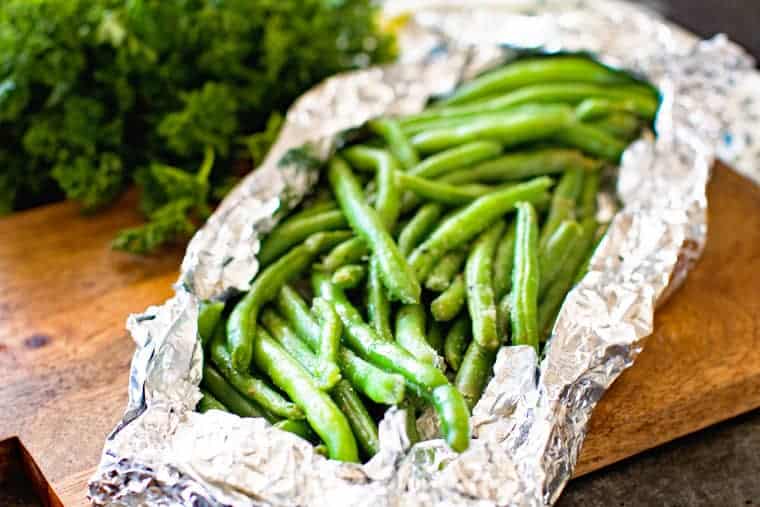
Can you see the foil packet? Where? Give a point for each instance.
(531, 421)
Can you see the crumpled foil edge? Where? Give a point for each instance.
(531, 422)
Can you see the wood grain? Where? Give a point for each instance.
(64, 354)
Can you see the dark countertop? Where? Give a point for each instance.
(719, 466)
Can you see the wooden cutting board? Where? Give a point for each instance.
(64, 353)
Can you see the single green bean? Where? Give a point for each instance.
(323, 415)
(409, 406)
(532, 71)
(555, 295)
(596, 107)
(503, 311)
(219, 388)
(387, 201)
(249, 386)
(456, 342)
(208, 317)
(241, 326)
(378, 306)
(361, 422)
(474, 372)
(471, 221)
(591, 140)
(451, 301)
(510, 129)
(520, 165)
(621, 125)
(443, 273)
(396, 274)
(585, 265)
(435, 336)
(410, 333)
(376, 384)
(525, 278)
(350, 251)
(297, 427)
(442, 192)
(208, 402)
(481, 302)
(563, 205)
(503, 262)
(325, 373)
(557, 250)
(330, 331)
(349, 276)
(427, 380)
(588, 198)
(459, 157)
(419, 227)
(314, 207)
(397, 142)
(292, 232)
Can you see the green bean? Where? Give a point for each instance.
(435, 336)
(450, 302)
(323, 415)
(249, 386)
(510, 129)
(503, 311)
(552, 300)
(595, 108)
(459, 157)
(474, 372)
(441, 276)
(321, 449)
(442, 192)
(314, 208)
(376, 384)
(350, 251)
(588, 197)
(591, 140)
(397, 142)
(563, 203)
(349, 276)
(535, 70)
(456, 342)
(525, 278)
(418, 227)
(209, 314)
(472, 220)
(241, 326)
(208, 402)
(410, 421)
(557, 250)
(410, 333)
(396, 274)
(387, 202)
(217, 386)
(297, 427)
(378, 306)
(641, 100)
(292, 232)
(622, 125)
(330, 331)
(520, 165)
(503, 262)
(479, 279)
(427, 380)
(326, 374)
(361, 422)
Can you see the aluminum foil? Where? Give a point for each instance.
(530, 424)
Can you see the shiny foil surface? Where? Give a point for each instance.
(530, 424)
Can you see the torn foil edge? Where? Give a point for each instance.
(532, 418)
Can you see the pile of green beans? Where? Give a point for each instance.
(480, 218)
